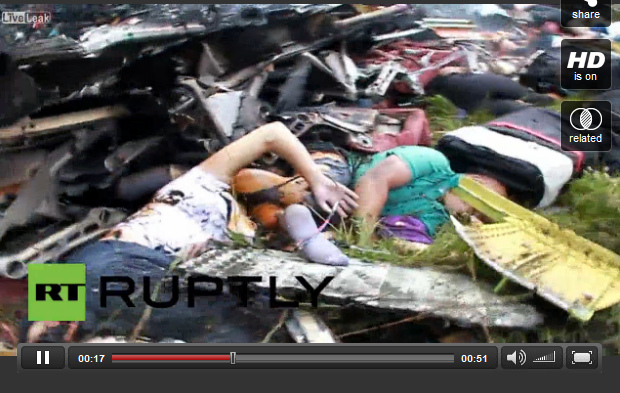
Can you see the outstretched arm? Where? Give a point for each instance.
(272, 137)
(276, 138)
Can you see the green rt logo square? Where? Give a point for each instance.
(56, 292)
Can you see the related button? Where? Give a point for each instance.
(43, 357)
(531, 357)
(586, 126)
(586, 13)
(585, 358)
(586, 64)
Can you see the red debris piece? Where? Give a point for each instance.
(13, 292)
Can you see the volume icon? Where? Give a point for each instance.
(521, 357)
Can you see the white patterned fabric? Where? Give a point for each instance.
(193, 209)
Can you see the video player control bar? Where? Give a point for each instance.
(291, 356)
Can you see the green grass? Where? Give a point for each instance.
(442, 114)
(591, 208)
(444, 117)
(448, 249)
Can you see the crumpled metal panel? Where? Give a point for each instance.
(148, 23)
(239, 15)
(105, 37)
(422, 290)
(306, 327)
(17, 168)
(221, 16)
(62, 242)
(567, 278)
(569, 271)
(223, 108)
(47, 49)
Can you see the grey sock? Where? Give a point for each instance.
(300, 225)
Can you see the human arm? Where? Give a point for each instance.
(374, 186)
(276, 138)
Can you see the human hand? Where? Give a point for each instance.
(8, 334)
(193, 250)
(37, 330)
(331, 195)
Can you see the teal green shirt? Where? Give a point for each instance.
(431, 178)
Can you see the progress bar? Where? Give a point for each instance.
(248, 356)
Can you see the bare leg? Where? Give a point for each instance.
(299, 224)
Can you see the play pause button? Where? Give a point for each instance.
(43, 357)
(45, 354)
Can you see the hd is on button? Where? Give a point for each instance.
(586, 64)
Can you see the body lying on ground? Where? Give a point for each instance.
(410, 185)
(406, 181)
(189, 213)
(495, 94)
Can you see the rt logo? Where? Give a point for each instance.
(56, 292)
(596, 60)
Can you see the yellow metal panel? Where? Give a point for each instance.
(572, 272)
